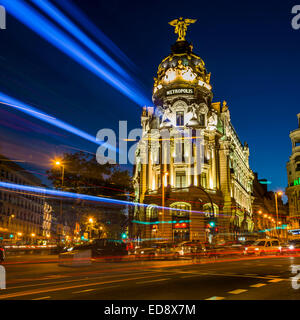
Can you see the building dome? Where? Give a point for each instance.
(181, 69)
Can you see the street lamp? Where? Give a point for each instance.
(91, 221)
(32, 236)
(58, 163)
(278, 193)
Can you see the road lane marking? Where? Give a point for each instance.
(251, 274)
(75, 280)
(272, 276)
(258, 285)
(215, 298)
(42, 298)
(237, 291)
(191, 275)
(275, 280)
(39, 291)
(150, 281)
(87, 290)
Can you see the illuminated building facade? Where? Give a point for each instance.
(293, 173)
(264, 210)
(213, 180)
(21, 214)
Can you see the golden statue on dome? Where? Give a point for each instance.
(181, 27)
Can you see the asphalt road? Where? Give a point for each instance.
(41, 278)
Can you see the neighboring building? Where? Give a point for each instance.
(264, 211)
(293, 173)
(213, 180)
(21, 214)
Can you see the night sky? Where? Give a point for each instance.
(249, 47)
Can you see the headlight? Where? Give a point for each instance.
(291, 247)
(256, 249)
(142, 252)
(246, 248)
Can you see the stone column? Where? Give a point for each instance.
(224, 219)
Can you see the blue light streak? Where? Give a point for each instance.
(50, 192)
(6, 100)
(66, 23)
(44, 191)
(81, 18)
(47, 30)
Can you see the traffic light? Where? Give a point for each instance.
(124, 235)
(212, 224)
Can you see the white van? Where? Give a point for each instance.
(264, 246)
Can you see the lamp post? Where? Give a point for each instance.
(91, 221)
(165, 174)
(279, 193)
(59, 164)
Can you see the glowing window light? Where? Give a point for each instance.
(6, 100)
(153, 183)
(35, 21)
(188, 75)
(203, 84)
(170, 75)
(76, 32)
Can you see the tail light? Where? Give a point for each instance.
(1, 249)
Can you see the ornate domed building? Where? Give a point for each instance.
(192, 172)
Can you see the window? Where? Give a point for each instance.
(179, 118)
(180, 210)
(180, 179)
(275, 243)
(152, 212)
(202, 119)
(203, 180)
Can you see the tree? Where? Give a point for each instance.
(84, 175)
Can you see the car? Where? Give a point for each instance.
(158, 250)
(291, 247)
(263, 247)
(2, 254)
(248, 243)
(104, 248)
(191, 249)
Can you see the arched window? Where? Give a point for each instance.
(152, 212)
(180, 209)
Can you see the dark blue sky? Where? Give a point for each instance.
(249, 47)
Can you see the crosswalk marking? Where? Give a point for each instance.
(215, 298)
(258, 285)
(237, 291)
